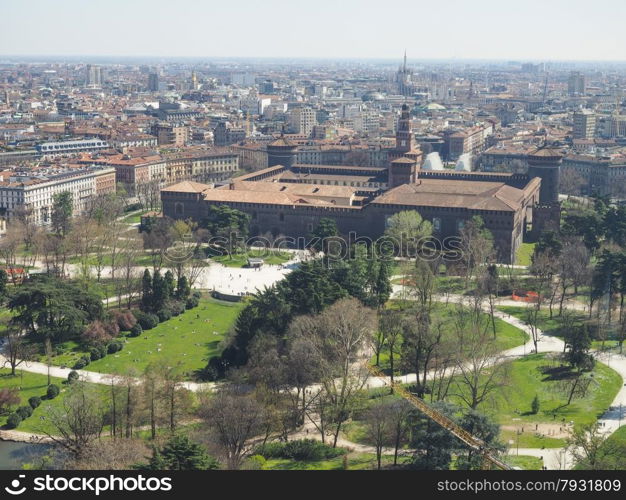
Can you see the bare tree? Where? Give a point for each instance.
(378, 428)
(234, 417)
(480, 368)
(16, 349)
(77, 423)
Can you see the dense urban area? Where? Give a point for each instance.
(264, 265)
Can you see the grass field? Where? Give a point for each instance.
(550, 326)
(525, 462)
(30, 384)
(524, 254)
(189, 339)
(507, 335)
(527, 377)
(356, 461)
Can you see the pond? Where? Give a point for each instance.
(13, 455)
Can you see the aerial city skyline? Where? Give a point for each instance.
(323, 236)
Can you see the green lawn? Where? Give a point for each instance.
(507, 336)
(30, 384)
(189, 339)
(510, 406)
(525, 462)
(356, 461)
(550, 326)
(272, 257)
(524, 254)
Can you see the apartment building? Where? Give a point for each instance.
(37, 192)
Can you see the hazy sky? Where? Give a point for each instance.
(472, 29)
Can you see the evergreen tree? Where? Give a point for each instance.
(180, 453)
(169, 284)
(146, 291)
(159, 291)
(183, 290)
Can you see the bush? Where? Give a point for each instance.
(125, 320)
(302, 449)
(82, 362)
(24, 412)
(13, 420)
(164, 314)
(191, 303)
(94, 354)
(53, 391)
(136, 330)
(35, 401)
(147, 320)
(72, 376)
(177, 307)
(115, 346)
(197, 295)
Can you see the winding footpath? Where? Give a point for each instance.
(553, 458)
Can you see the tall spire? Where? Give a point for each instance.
(404, 67)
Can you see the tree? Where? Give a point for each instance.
(62, 210)
(9, 397)
(228, 224)
(49, 307)
(480, 370)
(391, 326)
(476, 246)
(408, 232)
(180, 453)
(483, 428)
(535, 405)
(343, 334)
(378, 428)
(323, 233)
(233, 417)
(77, 422)
(146, 291)
(593, 449)
(433, 444)
(15, 349)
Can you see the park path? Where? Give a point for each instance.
(554, 458)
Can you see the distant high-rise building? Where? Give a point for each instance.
(194, 81)
(302, 120)
(94, 76)
(576, 84)
(584, 125)
(153, 82)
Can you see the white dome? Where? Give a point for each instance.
(433, 162)
(464, 164)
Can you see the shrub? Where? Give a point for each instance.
(82, 362)
(177, 307)
(197, 295)
(24, 412)
(125, 320)
(164, 314)
(94, 354)
(191, 303)
(13, 420)
(72, 376)
(53, 391)
(302, 449)
(35, 401)
(115, 346)
(136, 330)
(96, 333)
(147, 320)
